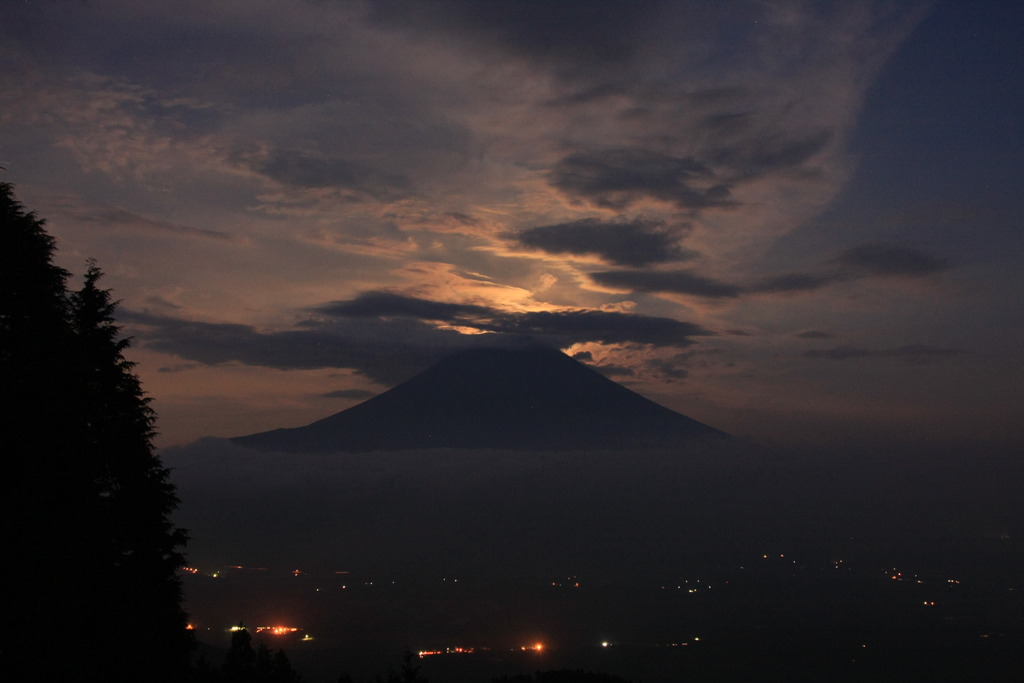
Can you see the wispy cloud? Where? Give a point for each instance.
(75, 210)
(865, 261)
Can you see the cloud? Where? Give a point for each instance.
(386, 337)
(637, 242)
(857, 263)
(619, 178)
(606, 327)
(74, 209)
(562, 328)
(387, 304)
(575, 36)
(667, 369)
(386, 351)
(890, 260)
(913, 353)
(814, 334)
(315, 170)
(765, 154)
(676, 282)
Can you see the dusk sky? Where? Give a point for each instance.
(799, 222)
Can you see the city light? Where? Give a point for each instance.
(276, 630)
(447, 651)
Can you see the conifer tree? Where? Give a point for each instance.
(35, 346)
(136, 545)
(87, 499)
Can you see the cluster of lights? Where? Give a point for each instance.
(571, 581)
(447, 651)
(276, 630)
(696, 639)
(898, 576)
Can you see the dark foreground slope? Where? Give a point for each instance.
(526, 399)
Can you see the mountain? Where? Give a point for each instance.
(526, 399)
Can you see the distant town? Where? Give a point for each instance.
(777, 600)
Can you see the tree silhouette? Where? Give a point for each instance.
(240, 660)
(135, 546)
(242, 664)
(87, 498)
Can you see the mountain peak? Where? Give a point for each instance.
(529, 398)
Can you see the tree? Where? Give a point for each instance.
(135, 544)
(242, 664)
(240, 660)
(88, 499)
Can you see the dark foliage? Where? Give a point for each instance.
(88, 499)
(242, 664)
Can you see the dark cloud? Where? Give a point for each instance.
(914, 353)
(462, 218)
(677, 282)
(357, 394)
(814, 334)
(560, 328)
(890, 260)
(864, 261)
(618, 178)
(388, 351)
(624, 242)
(574, 327)
(385, 337)
(388, 305)
(311, 170)
(180, 367)
(688, 282)
(576, 36)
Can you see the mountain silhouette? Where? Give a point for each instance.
(533, 398)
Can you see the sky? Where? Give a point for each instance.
(799, 222)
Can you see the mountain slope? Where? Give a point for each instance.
(533, 399)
